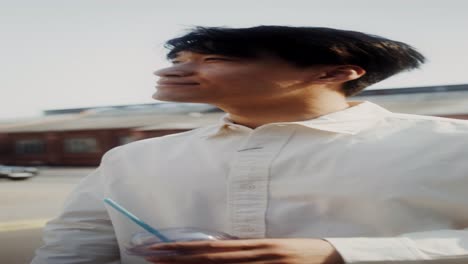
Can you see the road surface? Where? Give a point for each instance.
(25, 206)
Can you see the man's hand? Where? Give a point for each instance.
(286, 251)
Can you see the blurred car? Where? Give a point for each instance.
(18, 172)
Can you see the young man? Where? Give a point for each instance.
(297, 172)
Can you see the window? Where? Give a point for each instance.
(29, 146)
(125, 139)
(80, 145)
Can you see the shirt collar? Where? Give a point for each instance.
(357, 117)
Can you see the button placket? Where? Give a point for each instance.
(248, 182)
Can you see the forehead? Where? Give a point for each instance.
(194, 55)
(189, 54)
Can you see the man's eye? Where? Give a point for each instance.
(216, 59)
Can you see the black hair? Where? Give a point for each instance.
(305, 46)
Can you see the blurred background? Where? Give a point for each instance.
(76, 80)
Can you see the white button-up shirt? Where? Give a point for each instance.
(381, 187)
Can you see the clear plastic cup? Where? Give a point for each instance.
(141, 241)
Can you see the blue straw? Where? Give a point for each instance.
(137, 220)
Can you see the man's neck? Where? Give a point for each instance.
(257, 114)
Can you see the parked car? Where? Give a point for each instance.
(18, 172)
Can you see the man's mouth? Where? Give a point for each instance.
(176, 83)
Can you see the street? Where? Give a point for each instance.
(26, 205)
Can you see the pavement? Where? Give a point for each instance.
(25, 206)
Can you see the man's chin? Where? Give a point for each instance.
(180, 99)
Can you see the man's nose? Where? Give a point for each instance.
(172, 72)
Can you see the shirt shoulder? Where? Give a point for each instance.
(162, 142)
(439, 128)
(429, 120)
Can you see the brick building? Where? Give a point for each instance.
(79, 137)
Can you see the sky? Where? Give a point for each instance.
(57, 54)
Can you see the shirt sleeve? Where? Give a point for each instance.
(438, 246)
(82, 232)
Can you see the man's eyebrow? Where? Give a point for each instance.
(208, 55)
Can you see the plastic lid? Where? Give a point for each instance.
(142, 240)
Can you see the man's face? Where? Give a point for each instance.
(218, 80)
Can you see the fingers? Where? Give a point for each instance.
(213, 245)
(251, 262)
(262, 262)
(251, 256)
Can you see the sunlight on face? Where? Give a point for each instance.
(219, 79)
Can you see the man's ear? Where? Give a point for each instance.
(341, 73)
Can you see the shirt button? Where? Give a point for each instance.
(247, 186)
